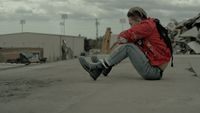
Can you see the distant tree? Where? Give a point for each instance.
(92, 43)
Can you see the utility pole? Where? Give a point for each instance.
(22, 22)
(64, 17)
(97, 27)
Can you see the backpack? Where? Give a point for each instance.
(164, 35)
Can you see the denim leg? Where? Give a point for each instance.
(137, 58)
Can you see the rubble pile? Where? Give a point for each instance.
(185, 35)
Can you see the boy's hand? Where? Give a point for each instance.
(122, 40)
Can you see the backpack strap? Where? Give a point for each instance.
(164, 34)
(172, 61)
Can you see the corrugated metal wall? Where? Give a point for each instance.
(51, 44)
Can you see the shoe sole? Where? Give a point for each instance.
(85, 66)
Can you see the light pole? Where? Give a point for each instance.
(61, 28)
(64, 17)
(122, 21)
(97, 27)
(22, 22)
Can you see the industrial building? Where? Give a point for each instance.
(53, 47)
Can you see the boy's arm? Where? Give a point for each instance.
(139, 31)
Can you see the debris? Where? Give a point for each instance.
(27, 58)
(185, 35)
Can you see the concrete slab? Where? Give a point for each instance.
(195, 64)
(190, 33)
(194, 46)
(64, 87)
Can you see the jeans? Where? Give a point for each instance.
(137, 58)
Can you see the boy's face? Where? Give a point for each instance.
(132, 21)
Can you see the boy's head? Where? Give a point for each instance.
(135, 15)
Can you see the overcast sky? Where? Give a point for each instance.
(44, 16)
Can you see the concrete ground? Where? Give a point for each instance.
(64, 87)
(6, 66)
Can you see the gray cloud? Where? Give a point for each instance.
(84, 9)
(83, 12)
